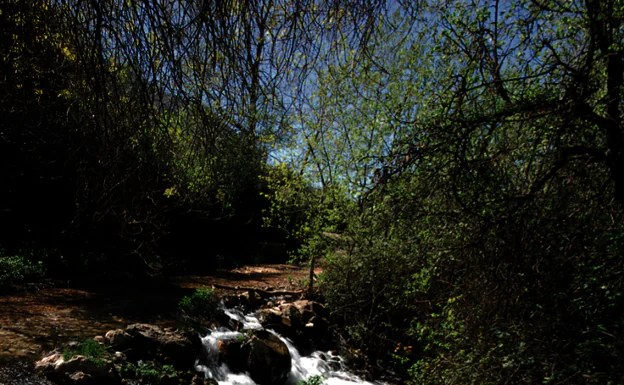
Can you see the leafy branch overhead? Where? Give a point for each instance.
(456, 168)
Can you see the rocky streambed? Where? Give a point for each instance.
(274, 341)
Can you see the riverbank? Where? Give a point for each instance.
(36, 320)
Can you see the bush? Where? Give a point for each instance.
(202, 304)
(148, 372)
(16, 269)
(534, 298)
(89, 348)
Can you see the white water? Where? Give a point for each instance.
(317, 364)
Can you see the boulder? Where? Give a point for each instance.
(119, 339)
(270, 316)
(79, 370)
(231, 352)
(168, 347)
(268, 360)
(48, 366)
(264, 356)
(304, 322)
(50, 361)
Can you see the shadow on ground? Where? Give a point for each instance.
(35, 321)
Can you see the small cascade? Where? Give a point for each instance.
(249, 321)
(318, 363)
(211, 366)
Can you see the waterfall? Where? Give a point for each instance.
(317, 364)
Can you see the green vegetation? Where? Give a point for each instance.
(243, 337)
(89, 348)
(148, 372)
(201, 304)
(17, 269)
(460, 183)
(457, 167)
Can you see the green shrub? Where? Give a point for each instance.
(89, 348)
(243, 337)
(202, 304)
(16, 269)
(147, 372)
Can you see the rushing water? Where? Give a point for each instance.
(317, 364)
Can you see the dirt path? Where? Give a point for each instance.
(34, 321)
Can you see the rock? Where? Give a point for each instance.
(243, 300)
(168, 347)
(100, 340)
(269, 361)
(225, 321)
(50, 361)
(203, 381)
(81, 378)
(78, 370)
(253, 299)
(270, 316)
(103, 372)
(231, 300)
(146, 337)
(177, 351)
(310, 308)
(119, 339)
(304, 322)
(264, 356)
(231, 353)
(48, 366)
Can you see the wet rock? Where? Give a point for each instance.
(232, 354)
(225, 321)
(269, 361)
(263, 355)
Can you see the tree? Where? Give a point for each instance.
(496, 207)
(158, 109)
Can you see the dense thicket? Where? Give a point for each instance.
(479, 148)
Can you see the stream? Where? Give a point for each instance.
(319, 363)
